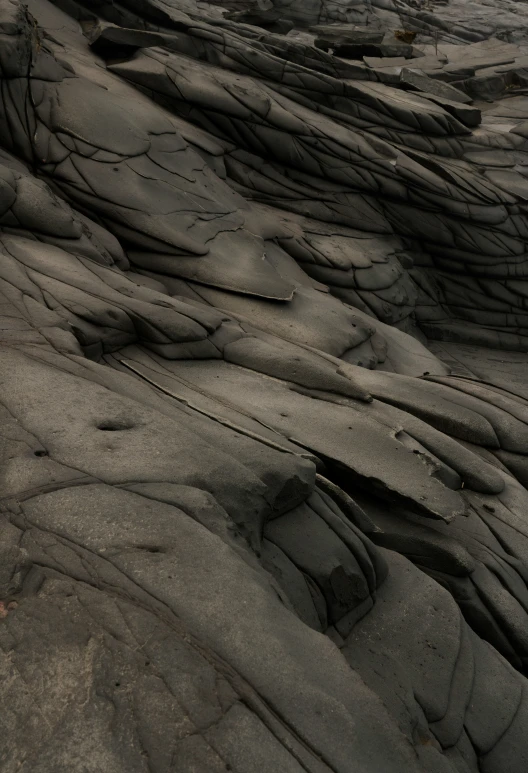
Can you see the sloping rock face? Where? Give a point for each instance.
(263, 388)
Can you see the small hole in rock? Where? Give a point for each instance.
(41, 452)
(114, 425)
(118, 684)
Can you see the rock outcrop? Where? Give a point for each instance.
(263, 385)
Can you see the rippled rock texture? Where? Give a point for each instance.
(264, 389)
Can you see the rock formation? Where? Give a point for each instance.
(264, 387)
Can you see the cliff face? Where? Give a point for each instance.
(263, 387)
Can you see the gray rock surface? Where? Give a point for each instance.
(263, 388)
